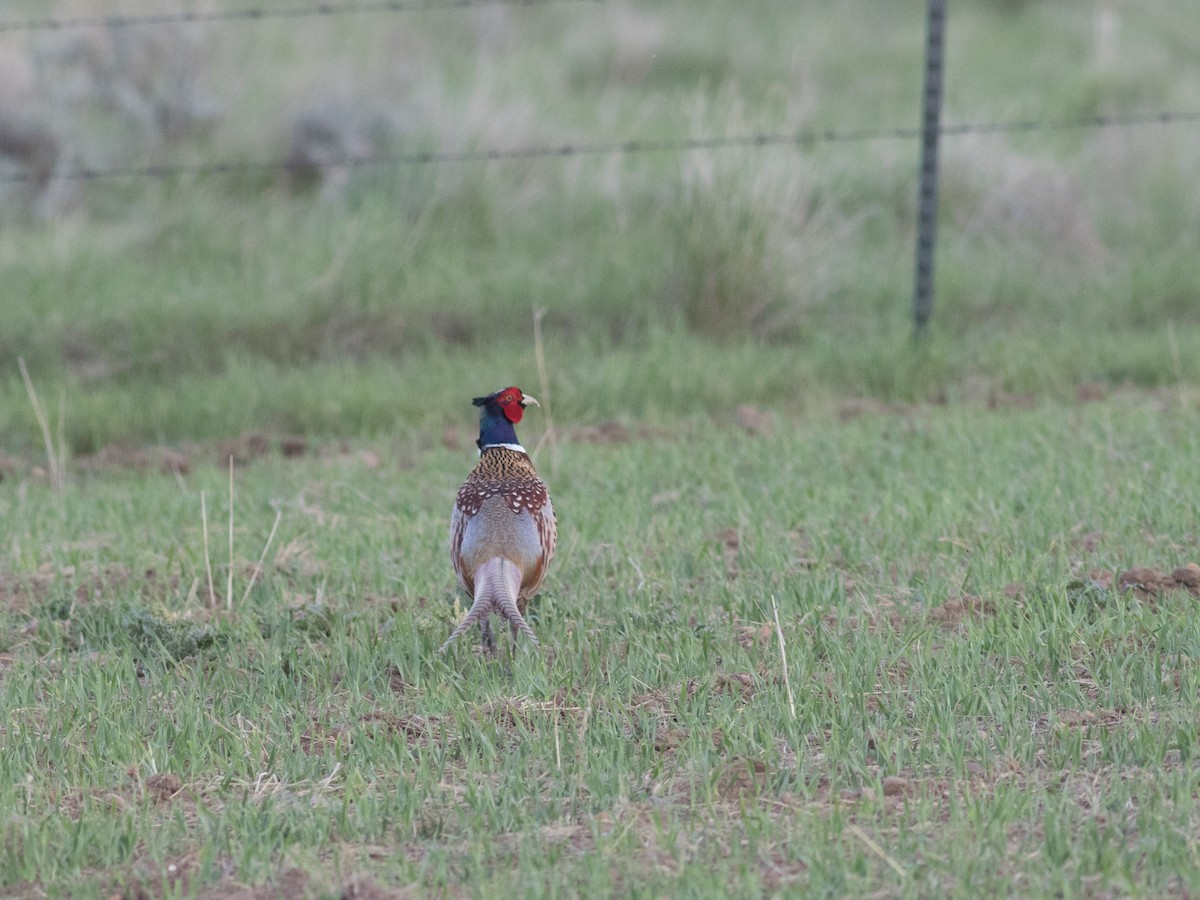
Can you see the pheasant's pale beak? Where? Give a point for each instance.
(526, 400)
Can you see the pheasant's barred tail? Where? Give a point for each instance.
(508, 609)
(497, 582)
(479, 611)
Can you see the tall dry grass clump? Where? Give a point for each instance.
(126, 90)
(1020, 206)
(95, 97)
(33, 154)
(756, 237)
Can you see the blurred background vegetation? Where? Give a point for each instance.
(316, 298)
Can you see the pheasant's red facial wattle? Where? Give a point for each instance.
(510, 401)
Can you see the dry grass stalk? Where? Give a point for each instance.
(56, 460)
(1177, 364)
(262, 556)
(212, 594)
(229, 576)
(544, 385)
(557, 744)
(874, 847)
(787, 682)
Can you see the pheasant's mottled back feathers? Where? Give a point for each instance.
(507, 473)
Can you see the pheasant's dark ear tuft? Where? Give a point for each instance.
(480, 401)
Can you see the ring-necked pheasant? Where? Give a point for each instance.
(502, 529)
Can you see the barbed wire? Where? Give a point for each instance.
(628, 147)
(186, 17)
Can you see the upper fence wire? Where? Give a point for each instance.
(185, 17)
(549, 150)
(626, 147)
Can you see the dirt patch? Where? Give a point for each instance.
(743, 778)
(755, 421)
(9, 466)
(150, 584)
(414, 729)
(896, 786)
(730, 543)
(243, 450)
(178, 872)
(728, 538)
(616, 433)
(1087, 542)
(396, 682)
(755, 634)
(163, 787)
(1093, 580)
(19, 593)
(954, 612)
(884, 613)
(298, 560)
(669, 738)
(663, 700)
(1145, 583)
(158, 789)
(164, 460)
(997, 398)
(511, 713)
(1082, 718)
(365, 889)
(249, 448)
(290, 883)
(1149, 583)
(739, 684)
(804, 558)
(661, 704)
(611, 432)
(1014, 591)
(851, 409)
(318, 738)
(293, 446)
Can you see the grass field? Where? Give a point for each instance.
(979, 700)
(982, 547)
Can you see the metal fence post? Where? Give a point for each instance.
(927, 193)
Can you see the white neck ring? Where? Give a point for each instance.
(515, 447)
